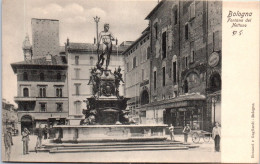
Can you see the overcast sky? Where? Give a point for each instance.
(126, 19)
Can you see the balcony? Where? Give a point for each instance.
(16, 99)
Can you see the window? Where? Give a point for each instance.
(192, 56)
(216, 41)
(163, 72)
(42, 91)
(142, 74)
(192, 52)
(77, 73)
(91, 60)
(77, 107)
(25, 76)
(43, 107)
(127, 67)
(185, 87)
(58, 92)
(148, 52)
(192, 10)
(175, 16)
(174, 66)
(77, 60)
(156, 30)
(41, 76)
(58, 76)
(154, 79)
(164, 44)
(186, 31)
(186, 62)
(77, 89)
(25, 92)
(134, 62)
(59, 107)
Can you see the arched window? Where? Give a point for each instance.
(58, 76)
(144, 98)
(215, 82)
(186, 87)
(25, 76)
(41, 76)
(25, 92)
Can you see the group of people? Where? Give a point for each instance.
(216, 134)
(41, 133)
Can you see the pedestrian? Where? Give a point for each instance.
(39, 138)
(8, 141)
(25, 139)
(171, 128)
(186, 131)
(45, 132)
(216, 134)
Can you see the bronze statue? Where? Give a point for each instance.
(95, 80)
(106, 37)
(118, 78)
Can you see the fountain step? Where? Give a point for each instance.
(113, 139)
(112, 144)
(101, 149)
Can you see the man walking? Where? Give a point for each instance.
(39, 138)
(186, 131)
(8, 141)
(216, 133)
(171, 128)
(25, 139)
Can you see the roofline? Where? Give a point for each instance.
(15, 65)
(45, 19)
(135, 42)
(154, 9)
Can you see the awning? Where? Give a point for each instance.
(189, 100)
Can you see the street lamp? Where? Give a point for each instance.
(214, 100)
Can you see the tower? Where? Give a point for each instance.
(27, 48)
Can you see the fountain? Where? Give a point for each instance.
(106, 117)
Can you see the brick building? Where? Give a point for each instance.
(45, 37)
(185, 72)
(42, 93)
(137, 75)
(81, 58)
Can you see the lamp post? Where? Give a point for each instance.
(214, 100)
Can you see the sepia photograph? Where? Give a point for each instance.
(113, 81)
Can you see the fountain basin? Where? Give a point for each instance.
(106, 133)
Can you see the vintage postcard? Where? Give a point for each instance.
(130, 81)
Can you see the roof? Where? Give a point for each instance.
(155, 9)
(55, 61)
(144, 33)
(44, 19)
(90, 47)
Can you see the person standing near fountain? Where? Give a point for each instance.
(106, 37)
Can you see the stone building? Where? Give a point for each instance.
(185, 63)
(42, 93)
(137, 76)
(82, 57)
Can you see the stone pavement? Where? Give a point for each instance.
(205, 153)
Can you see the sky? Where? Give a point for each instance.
(126, 19)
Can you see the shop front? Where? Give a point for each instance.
(187, 109)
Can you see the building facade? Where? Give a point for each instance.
(185, 63)
(82, 57)
(42, 92)
(137, 76)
